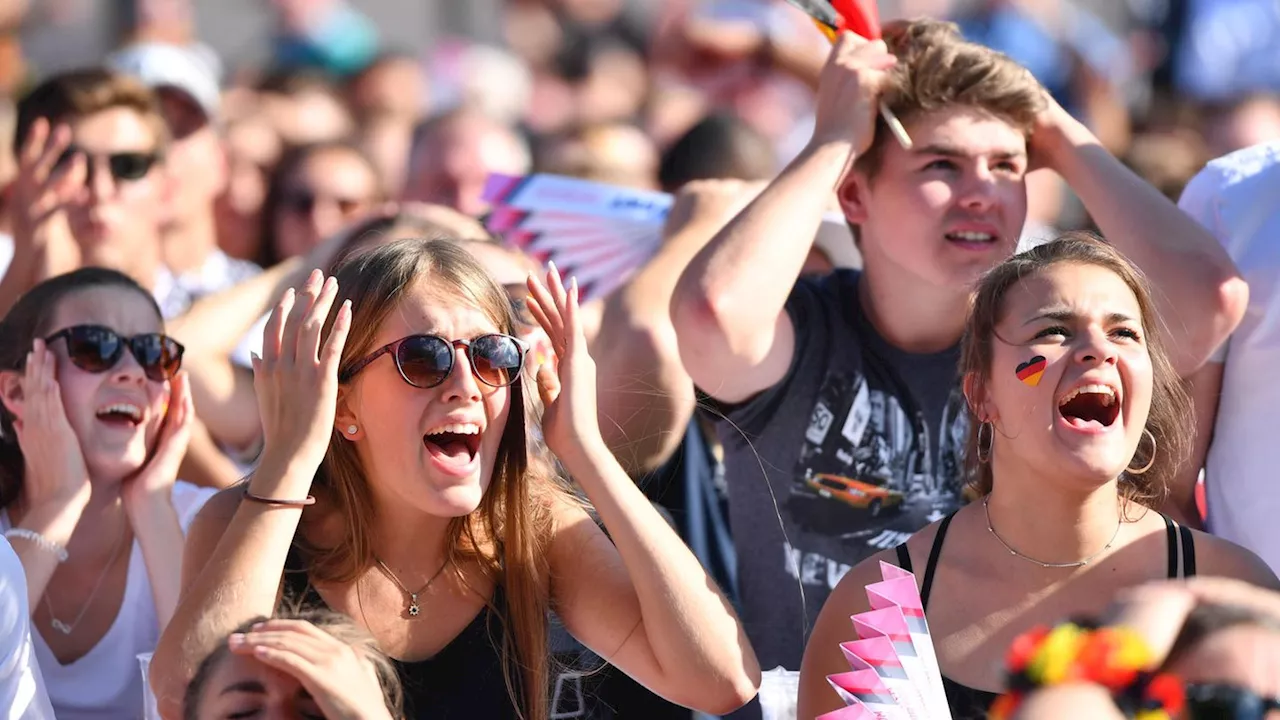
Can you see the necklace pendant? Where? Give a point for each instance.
(60, 626)
(413, 605)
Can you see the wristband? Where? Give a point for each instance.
(310, 500)
(1113, 657)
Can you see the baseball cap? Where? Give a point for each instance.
(193, 70)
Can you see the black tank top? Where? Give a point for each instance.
(968, 703)
(464, 680)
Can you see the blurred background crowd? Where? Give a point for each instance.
(602, 88)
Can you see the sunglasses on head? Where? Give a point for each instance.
(123, 165)
(1226, 702)
(424, 361)
(304, 202)
(97, 349)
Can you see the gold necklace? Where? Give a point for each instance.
(986, 506)
(65, 628)
(414, 610)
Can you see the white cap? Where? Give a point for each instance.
(192, 69)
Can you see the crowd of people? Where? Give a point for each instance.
(286, 431)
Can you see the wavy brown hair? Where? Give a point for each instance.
(1169, 420)
(937, 68)
(508, 534)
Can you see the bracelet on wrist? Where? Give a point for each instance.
(280, 502)
(39, 541)
(1116, 658)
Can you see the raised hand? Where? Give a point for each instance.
(153, 483)
(568, 393)
(56, 470)
(849, 91)
(43, 188)
(343, 684)
(296, 380)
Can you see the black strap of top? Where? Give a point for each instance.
(934, 553)
(904, 557)
(1171, 546)
(1188, 552)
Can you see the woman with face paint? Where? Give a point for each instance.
(399, 486)
(1078, 422)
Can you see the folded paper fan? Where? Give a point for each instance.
(595, 232)
(895, 671)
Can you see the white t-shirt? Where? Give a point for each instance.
(22, 689)
(1237, 197)
(106, 683)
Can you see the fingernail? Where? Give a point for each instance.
(289, 293)
(258, 626)
(552, 265)
(235, 640)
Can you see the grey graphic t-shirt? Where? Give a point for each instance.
(857, 448)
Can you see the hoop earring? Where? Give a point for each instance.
(985, 457)
(1150, 460)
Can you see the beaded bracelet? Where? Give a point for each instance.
(1113, 657)
(39, 541)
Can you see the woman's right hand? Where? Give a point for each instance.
(43, 188)
(57, 474)
(296, 381)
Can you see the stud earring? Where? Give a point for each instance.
(351, 429)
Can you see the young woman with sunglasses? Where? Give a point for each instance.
(430, 521)
(95, 421)
(1077, 422)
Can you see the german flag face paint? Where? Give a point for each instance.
(1030, 371)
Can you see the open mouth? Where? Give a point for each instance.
(1090, 406)
(455, 443)
(970, 236)
(121, 415)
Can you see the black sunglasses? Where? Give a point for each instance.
(97, 349)
(123, 165)
(1226, 702)
(304, 202)
(424, 361)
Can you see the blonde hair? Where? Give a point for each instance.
(1169, 420)
(508, 534)
(937, 68)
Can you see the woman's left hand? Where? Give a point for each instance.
(153, 483)
(568, 392)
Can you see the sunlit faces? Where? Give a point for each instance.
(432, 449)
(242, 687)
(114, 445)
(951, 208)
(1077, 332)
(329, 189)
(119, 217)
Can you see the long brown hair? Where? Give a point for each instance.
(1169, 420)
(508, 534)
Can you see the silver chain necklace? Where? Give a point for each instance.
(65, 628)
(986, 507)
(413, 608)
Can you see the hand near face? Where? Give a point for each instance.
(57, 472)
(342, 683)
(568, 393)
(153, 483)
(296, 379)
(849, 91)
(43, 188)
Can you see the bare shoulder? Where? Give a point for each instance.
(1219, 557)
